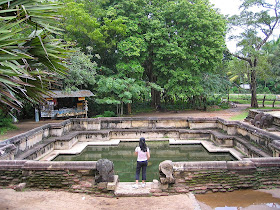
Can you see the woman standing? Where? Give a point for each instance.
(143, 155)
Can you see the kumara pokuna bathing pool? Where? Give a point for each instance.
(187, 154)
(125, 161)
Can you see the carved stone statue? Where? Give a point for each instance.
(262, 120)
(257, 119)
(266, 121)
(166, 171)
(105, 170)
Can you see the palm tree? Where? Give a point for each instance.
(30, 55)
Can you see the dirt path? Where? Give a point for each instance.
(224, 114)
(52, 200)
(49, 200)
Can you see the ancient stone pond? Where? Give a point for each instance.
(250, 155)
(125, 161)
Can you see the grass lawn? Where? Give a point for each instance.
(241, 116)
(266, 103)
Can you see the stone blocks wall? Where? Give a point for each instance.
(221, 176)
(71, 176)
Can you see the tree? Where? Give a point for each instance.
(81, 72)
(172, 43)
(94, 24)
(166, 46)
(119, 91)
(30, 56)
(258, 28)
(237, 71)
(272, 49)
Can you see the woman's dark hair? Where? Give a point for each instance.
(142, 144)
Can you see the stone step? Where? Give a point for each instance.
(125, 189)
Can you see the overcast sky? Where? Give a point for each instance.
(227, 6)
(230, 7)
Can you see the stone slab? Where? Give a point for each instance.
(274, 113)
(125, 189)
(111, 186)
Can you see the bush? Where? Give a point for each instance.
(6, 123)
(27, 112)
(107, 114)
(234, 90)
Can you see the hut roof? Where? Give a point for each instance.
(72, 94)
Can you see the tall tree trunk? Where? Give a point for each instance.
(155, 98)
(273, 104)
(118, 114)
(254, 102)
(129, 109)
(148, 65)
(154, 93)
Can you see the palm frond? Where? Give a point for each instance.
(28, 62)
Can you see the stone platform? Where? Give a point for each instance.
(125, 189)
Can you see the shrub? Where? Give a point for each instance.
(6, 123)
(107, 114)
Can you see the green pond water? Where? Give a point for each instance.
(125, 161)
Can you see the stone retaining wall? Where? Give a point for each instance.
(197, 177)
(222, 176)
(72, 176)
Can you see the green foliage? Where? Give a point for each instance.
(166, 38)
(258, 27)
(81, 73)
(92, 24)
(263, 90)
(107, 114)
(148, 47)
(113, 90)
(27, 112)
(272, 49)
(30, 57)
(238, 71)
(5, 123)
(214, 84)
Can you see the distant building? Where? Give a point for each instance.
(60, 104)
(245, 86)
